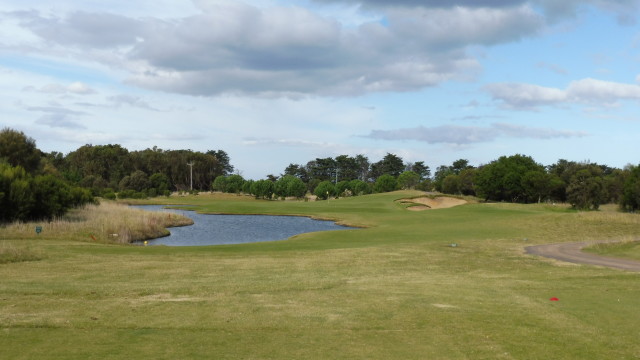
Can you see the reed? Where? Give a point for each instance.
(107, 222)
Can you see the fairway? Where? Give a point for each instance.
(396, 289)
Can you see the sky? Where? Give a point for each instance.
(275, 82)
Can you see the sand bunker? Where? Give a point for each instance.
(426, 203)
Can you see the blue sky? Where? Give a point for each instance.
(277, 82)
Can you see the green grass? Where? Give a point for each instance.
(394, 290)
(629, 249)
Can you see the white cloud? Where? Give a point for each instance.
(58, 117)
(461, 135)
(598, 91)
(525, 96)
(554, 10)
(77, 88)
(590, 91)
(130, 100)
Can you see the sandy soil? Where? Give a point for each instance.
(572, 252)
(440, 202)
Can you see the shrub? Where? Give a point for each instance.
(359, 187)
(385, 183)
(324, 190)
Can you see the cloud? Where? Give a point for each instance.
(590, 91)
(284, 51)
(554, 10)
(431, 3)
(95, 30)
(253, 141)
(525, 96)
(461, 135)
(552, 67)
(57, 117)
(130, 100)
(77, 88)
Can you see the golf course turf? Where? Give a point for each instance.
(396, 289)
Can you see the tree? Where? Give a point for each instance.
(467, 184)
(322, 169)
(359, 187)
(324, 190)
(246, 187)
(52, 197)
(347, 168)
(160, 182)
(362, 162)
(262, 189)
(223, 163)
(586, 190)
(421, 169)
(138, 181)
(234, 183)
(110, 162)
(408, 180)
(19, 150)
(289, 185)
(296, 187)
(219, 184)
(343, 188)
(298, 171)
(451, 184)
(501, 180)
(390, 165)
(459, 165)
(441, 173)
(24, 197)
(536, 185)
(385, 183)
(614, 182)
(631, 193)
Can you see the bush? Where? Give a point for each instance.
(324, 190)
(131, 194)
(343, 188)
(385, 183)
(262, 189)
(359, 187)
(109, 195)
(23, 197)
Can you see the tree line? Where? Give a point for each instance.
(111, 169)
(34, 184)
(517, 178)
(39, 185)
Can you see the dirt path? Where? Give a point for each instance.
(572, 252)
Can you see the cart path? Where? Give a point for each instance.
(572, 252)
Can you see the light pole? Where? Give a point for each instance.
(191, 168)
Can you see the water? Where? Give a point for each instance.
(237, 229)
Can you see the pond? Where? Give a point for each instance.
(211, 229)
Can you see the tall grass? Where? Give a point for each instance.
(106, 222)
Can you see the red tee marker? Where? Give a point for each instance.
(554, 299)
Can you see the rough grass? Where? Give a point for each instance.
(395, 290)
(106, 222)
(11, 252)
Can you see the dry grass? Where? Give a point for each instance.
(10, 253)
(107, 222)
